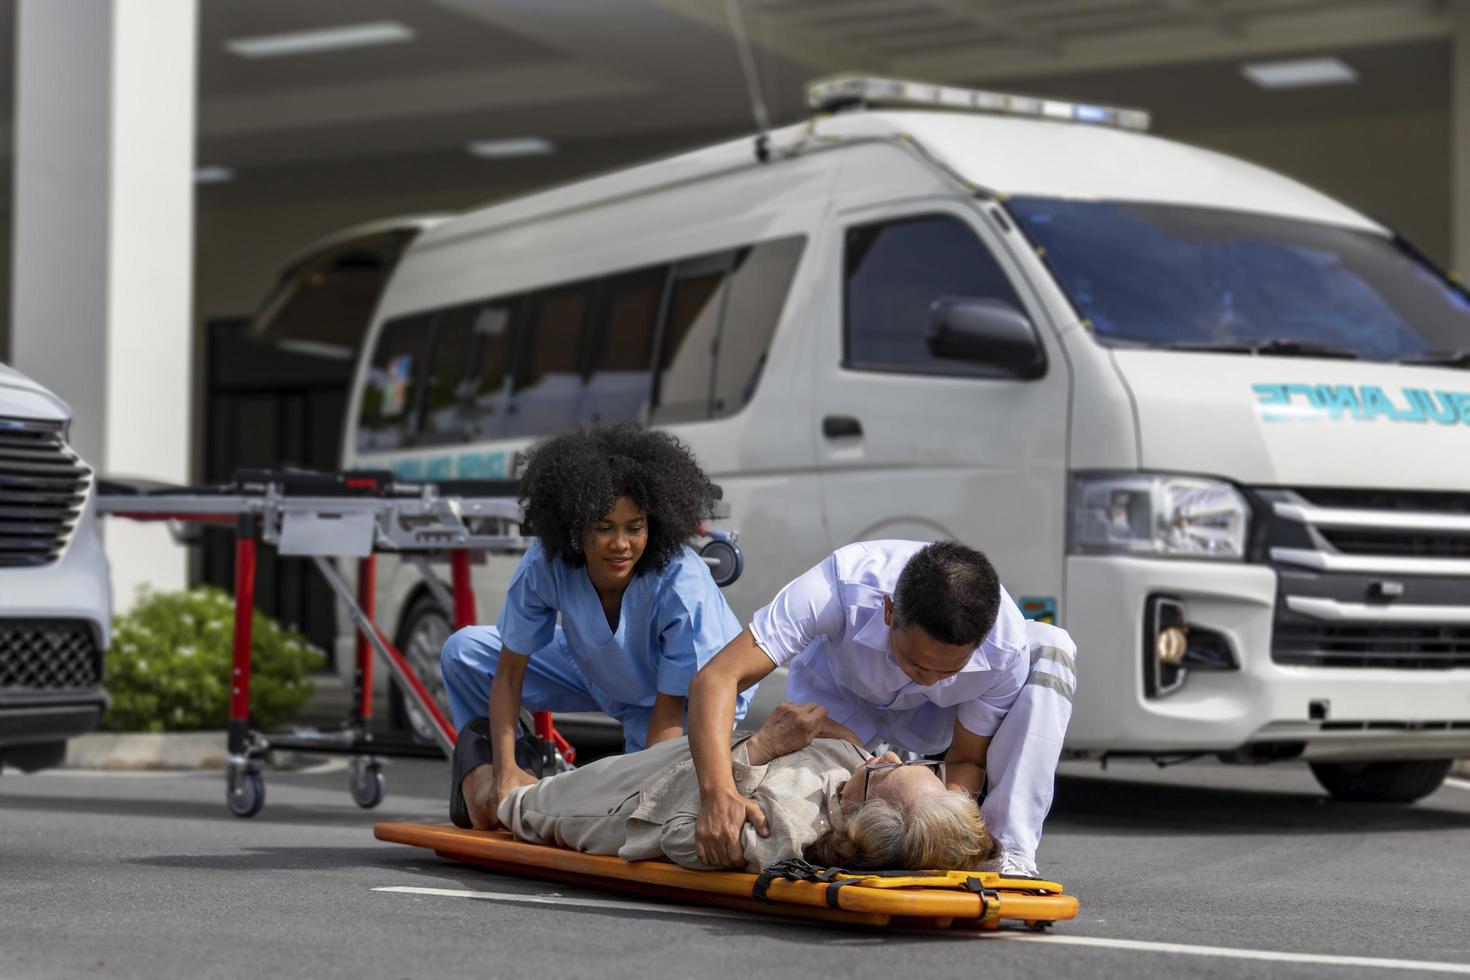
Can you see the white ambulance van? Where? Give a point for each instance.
(1213, 422)
(55, 590)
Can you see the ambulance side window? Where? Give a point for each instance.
(546, 389)
(686, 360)
(465, 388)
(386, 417)
(894, 271)
(722, 314)
(758, 289)
(620, 377)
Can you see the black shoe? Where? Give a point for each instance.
(471, 750)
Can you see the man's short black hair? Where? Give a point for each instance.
(950, 592)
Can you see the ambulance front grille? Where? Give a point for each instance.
(1400, 648)
(1355, 541)
(43, 485)
(1368, 578)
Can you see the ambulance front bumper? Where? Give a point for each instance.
(1261, 707)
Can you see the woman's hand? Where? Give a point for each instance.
(722, 817)
(791, 728)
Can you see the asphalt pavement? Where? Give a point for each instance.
(1199, 870)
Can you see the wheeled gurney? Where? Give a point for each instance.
(354, 515)
(912, 899)
(326, 516)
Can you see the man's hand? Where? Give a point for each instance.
(789, 728)
(722, 817)
(485, 786)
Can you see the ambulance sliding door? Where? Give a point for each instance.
(915, 446)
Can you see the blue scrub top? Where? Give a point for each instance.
(672, 622)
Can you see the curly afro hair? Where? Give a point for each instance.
(572, 480)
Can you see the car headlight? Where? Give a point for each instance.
(1157, 514)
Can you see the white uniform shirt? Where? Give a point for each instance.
(827, 627)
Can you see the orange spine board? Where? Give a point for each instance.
(917, 903)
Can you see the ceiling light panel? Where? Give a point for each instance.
(324, 39)
(1300, 73)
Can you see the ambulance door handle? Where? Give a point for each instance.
(841, 427)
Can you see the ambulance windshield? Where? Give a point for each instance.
(1160, 275)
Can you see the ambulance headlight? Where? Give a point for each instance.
(1157, 515)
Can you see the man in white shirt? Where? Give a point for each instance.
(912, 644)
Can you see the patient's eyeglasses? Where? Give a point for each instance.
(937, 765)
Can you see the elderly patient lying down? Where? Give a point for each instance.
(822, 797)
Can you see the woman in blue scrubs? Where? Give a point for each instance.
(611, 510)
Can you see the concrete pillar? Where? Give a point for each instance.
(1460, 139)
(103, 242)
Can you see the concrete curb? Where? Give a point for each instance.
(170, 750)
(146, 750)
(1461, 769)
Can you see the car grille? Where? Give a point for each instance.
(43, 485)
(48, 655)
(1368, 578)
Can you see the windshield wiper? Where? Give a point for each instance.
(1446, 358)
(1270, 348)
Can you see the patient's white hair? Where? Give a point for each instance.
(943, 832)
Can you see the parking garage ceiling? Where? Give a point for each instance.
(666, 72)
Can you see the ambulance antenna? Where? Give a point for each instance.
(752, 81)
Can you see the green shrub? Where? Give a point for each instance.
(169, 666)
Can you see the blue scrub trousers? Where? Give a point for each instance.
(553, 682)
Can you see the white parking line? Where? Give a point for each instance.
(586, 903)
(1457, 783)
(1137, 945)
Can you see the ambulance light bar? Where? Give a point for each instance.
(836, 92)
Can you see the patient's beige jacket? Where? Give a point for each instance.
(645, 805)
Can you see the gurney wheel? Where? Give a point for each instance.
(247, 794)
(367, 783)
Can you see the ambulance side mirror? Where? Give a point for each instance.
(989, 333)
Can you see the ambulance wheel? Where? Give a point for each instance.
(366, 783)
(247, 794)
(1381, 782)
(425, 628)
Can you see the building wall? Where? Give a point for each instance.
(1394, 167)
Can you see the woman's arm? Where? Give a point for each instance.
(505, 715)
(667, 719)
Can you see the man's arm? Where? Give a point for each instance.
(667, 719)
(965, 760)
(722, 810)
